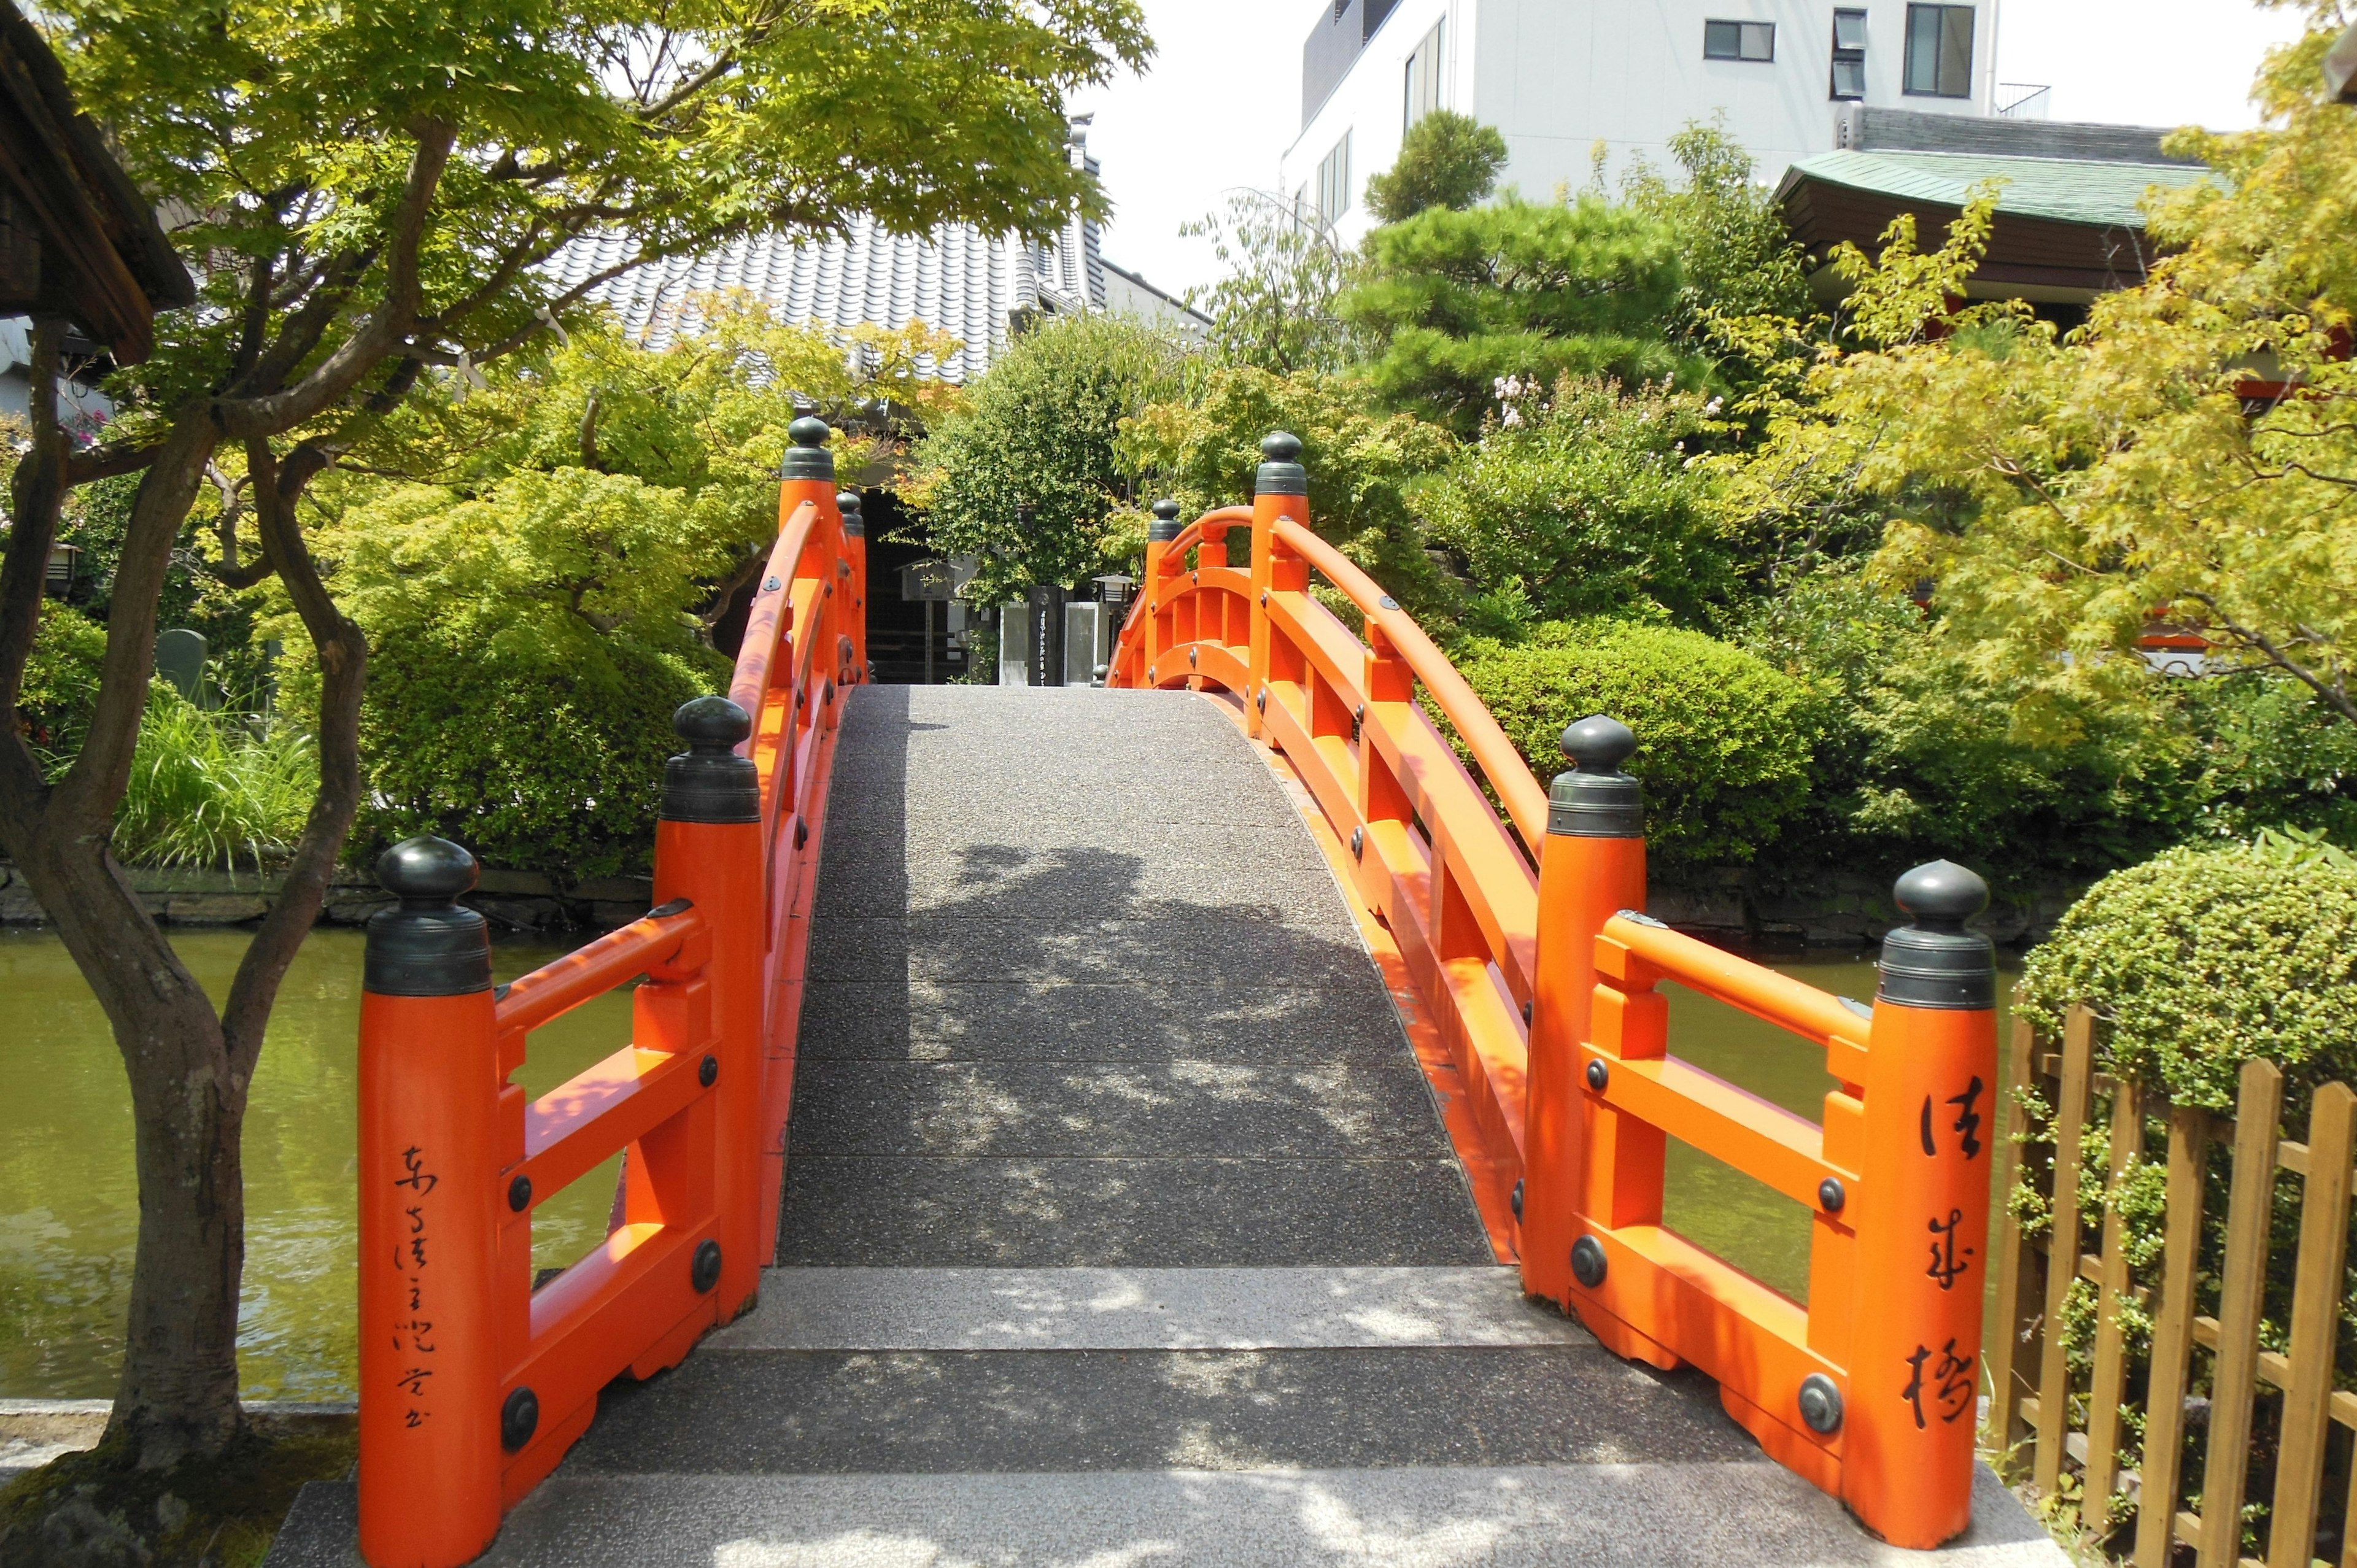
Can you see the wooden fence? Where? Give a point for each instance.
(2181, 1495)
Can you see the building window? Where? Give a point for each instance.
(1738, 41)
(1849, 54)
(1426, 70)
(1940, 51)
(1334, 181)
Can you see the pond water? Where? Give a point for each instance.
(69, 1206)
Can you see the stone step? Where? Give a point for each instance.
(1192, 1211)
(1142, 1309)
(1655, 1515)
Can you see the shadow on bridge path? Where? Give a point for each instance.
(1121, 1228)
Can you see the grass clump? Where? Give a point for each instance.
(209, 789)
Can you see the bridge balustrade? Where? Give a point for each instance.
(1516, 913)
(475, 1378)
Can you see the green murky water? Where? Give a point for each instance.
(69, 1202)
(69, 1206)
(1759, 1230)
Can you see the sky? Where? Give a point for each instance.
(1222, 97)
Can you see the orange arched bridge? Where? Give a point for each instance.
(1217, 1118)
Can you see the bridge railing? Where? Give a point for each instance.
(476, 1377)
(1522, 936)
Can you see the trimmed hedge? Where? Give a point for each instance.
(1724, 740)
(2202, 959)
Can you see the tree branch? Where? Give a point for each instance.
(2333, 693)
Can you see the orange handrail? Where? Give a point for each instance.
(475, 1378)
(1507, 772)
(1524, 947)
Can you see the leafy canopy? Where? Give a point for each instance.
(1582, 502)
(1447, 159)
(1025, 478)
(1362, 465)
(1274, 307)
(302, 141)
(1463, 301)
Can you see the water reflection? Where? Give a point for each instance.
(1759, 1230)
(68, 1200)
(68, 1205)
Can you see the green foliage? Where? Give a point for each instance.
(1447, 159)
(1584, 502)
(1461, 302)
(61, 684)
(2202, 959)
(1026, 477)
(1273, 307)
(206, 790)
(1362, 466)
(1736, 257)
(285, 132)
(1724, 740)
(1918, 756)
(537, 756)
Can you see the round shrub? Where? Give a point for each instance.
(2202, 959)
(553, 766)
(1723, 739)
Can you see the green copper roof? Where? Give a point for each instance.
(2069, 190)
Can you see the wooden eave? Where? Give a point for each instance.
(100, 259)
(2044, 254)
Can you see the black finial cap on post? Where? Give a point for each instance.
(854, 525)
(1281, 473)
(1164, 526)
(1933, 961)
(808, 458)
(1596, 799)
(710, 782)
(427, 945)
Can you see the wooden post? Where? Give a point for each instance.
(2315, 1324)
(2172, 1339)
(2071, 1107)
(1591, 867)
(431, 1419)
(1158, 535)
(2233, 1377)
(1280, 489)
(2109, 1383)
(1915, 1371)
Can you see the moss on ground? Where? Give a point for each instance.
(94, 1508)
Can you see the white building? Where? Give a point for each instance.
(1562, 78)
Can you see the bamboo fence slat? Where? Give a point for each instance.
(2071, 1106)
(2233, 1380)
(2109, 1380)
(2172, 1336)
(2017, 1261)
(2315, 1323)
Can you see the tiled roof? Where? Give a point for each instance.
(957, 279)
(2098, 192)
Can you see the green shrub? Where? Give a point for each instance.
(60, 685)
(1581, 504)
(2202, 959)
(1724, 743)
(543, 765)
(1447, 159)
(207, 790)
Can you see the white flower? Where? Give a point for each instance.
(1710, 410)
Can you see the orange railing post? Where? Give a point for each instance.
(708, 853)
(855, 548)
(429, 1201)
(1922, 1224)
(1592, 866)
(1158, 535)
(1280, 490)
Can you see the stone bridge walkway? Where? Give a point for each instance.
(1121, 1228)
